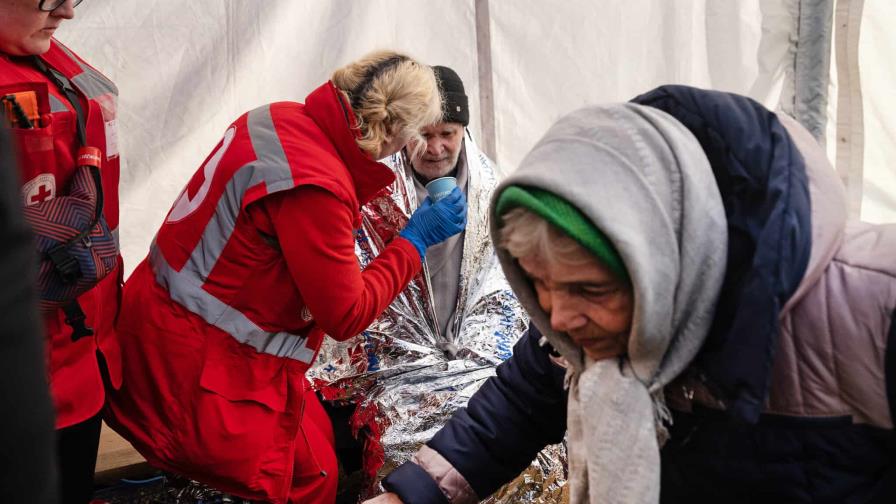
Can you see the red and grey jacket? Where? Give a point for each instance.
(47, 158)
(206, 263)
(253, 265)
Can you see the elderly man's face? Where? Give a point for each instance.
(25, 30)
(443, 144)
(585, 301)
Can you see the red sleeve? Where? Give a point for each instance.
(315, 232)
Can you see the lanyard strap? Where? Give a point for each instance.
(65, 85)
(74, 315)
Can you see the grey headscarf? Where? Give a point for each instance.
(644, 181)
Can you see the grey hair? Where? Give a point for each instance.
(525, 234)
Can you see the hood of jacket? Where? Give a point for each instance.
(761, 174)
(828, 208)
(643, 180)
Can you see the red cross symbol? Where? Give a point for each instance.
(43, 194)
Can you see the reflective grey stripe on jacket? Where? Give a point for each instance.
(56, 105)
(89, 81)
(185, 286)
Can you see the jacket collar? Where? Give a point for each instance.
(328, 109)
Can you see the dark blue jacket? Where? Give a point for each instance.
(708, 459)
(737, 456)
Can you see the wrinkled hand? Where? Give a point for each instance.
(386, 498)
(433, 223)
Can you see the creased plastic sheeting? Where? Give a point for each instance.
(877, 45)
(550, 59)
(187, 69)
(405, 377)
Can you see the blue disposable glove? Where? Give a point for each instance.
(435, 222)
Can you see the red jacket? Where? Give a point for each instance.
(46, 156)
(254, 264)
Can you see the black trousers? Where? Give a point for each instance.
(76, 448)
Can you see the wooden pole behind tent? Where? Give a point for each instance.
(486, 91)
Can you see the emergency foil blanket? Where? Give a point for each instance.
(406, 378)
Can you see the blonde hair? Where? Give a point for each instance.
(525, 234)
(391, 95)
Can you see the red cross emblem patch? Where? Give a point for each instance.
(39, 189)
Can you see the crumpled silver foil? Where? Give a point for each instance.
(405, 377)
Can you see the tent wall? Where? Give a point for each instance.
(551, 58)
(187, 69)
(877, 47)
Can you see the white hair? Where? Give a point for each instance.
(525, 234)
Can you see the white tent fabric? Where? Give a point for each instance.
(877, 45)
(186, 69)
(551, 58)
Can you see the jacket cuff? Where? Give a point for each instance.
(450, 481)
(407, 244)
(414, 485)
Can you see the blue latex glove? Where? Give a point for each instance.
(435, 222)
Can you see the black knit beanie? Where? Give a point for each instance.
(454, 100)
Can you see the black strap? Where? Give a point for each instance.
(75, 318)
(65, 85)
(74, 315)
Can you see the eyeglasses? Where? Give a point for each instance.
(51, 5)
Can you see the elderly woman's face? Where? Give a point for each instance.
(25, 30)
(585, 301)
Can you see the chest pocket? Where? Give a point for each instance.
(44, 146)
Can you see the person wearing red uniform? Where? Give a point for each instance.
(47, 159)
(254, 266)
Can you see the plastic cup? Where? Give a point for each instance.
(440, 187)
